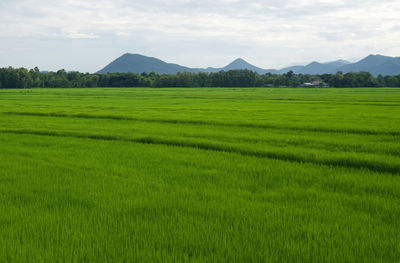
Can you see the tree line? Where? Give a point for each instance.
(11, 78)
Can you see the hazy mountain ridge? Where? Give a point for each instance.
(136, 63)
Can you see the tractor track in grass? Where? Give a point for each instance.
(374, 166)
(309, 144)
(303, 143)
(213, 123)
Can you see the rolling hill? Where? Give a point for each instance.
(375, 64)
(136, 63)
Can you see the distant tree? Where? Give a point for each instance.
(59, 80)
(380, 81)
(90, 80)
(391, 81)
(11, 78)
(35, 75)
(22, 78)
(201, 79)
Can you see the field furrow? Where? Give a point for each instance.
(200, 175)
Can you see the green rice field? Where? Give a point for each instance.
(200, 175)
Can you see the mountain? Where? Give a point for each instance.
(375, 64)
(242, 64)
(338, 63)
(135, 63)
(317, 68)
(312, 68)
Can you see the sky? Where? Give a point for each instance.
(87, 35)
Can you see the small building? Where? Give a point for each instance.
(315, 84)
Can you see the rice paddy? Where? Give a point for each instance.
(200, 175)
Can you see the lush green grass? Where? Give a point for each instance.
(204, 175)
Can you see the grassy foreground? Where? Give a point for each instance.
(200, 175)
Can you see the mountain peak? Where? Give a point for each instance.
(314, 63)
(338, 63)
(239, 62)
(131, 55)
(377, 56)
(342, 61)
(372, 56)
(376, 59)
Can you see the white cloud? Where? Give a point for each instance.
(195, 33)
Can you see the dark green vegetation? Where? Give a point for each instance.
(22, 78)
(204, 175)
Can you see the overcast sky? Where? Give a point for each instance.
(87, 35)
